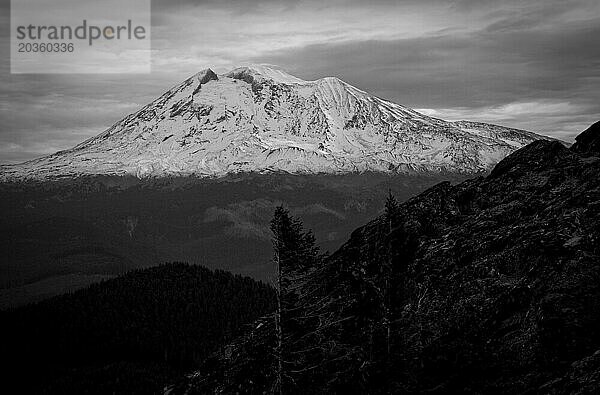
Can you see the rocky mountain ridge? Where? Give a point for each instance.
(494, 289)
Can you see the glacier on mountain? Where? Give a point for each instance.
(261, 119)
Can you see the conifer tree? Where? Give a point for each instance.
(296, 257)
(391, 210)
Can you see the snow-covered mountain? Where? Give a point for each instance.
(261, 119)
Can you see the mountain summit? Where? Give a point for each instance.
(261, 119)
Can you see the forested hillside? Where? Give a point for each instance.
(131, 334)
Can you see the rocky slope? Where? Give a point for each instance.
(260, 119)
(495, 289)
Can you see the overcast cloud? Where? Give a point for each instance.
(526, 64)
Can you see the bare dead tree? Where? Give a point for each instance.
(278, 329)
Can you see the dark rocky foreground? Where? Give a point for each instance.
(495, 288)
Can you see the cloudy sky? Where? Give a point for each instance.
(531, 64)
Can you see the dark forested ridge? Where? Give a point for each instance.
(128, 335)
(491, 286)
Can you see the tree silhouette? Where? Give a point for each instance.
(296, 257)
(391, 210)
